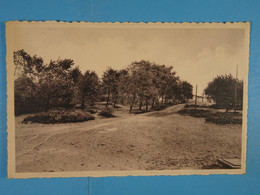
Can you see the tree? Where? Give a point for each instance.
(139, 82)
(55, 84)
(110, 81)
(28, 66)
(124, 80)
(88, 88)
(76, 74)
(142, 77)
(186, 90)
(59, 84)
(222, 90)
(25, 95)
(152, 84)
(50, 84)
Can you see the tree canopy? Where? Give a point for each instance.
(88, 88)
(60, 84)
(222, 91)
(49, 85)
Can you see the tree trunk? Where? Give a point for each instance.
(114, 103)
(140, 105)
(162, 100)
(123, 99)
(107, 99)
(227, 109)
(82, 102)
(47, 105)
(131, 107)
(146, 105)
(165, 100)
(47, 108)
(132, 103)
(152, 103)
(157, 103)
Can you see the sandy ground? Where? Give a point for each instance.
(150, 141)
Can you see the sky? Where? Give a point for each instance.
(197, 55)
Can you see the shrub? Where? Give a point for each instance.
(107, 112)
(91, 111)
(59, 116)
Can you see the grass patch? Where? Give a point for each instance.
(215, 106)
(59, 116)
(193, 106)
(199, 113)
(219, 118)
(224, 118)
(106, 112)
(140, 111)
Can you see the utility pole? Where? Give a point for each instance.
(236, 91)
(196, 97)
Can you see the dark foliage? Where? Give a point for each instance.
(41, 86)
(59, 116)
(107, 112)
(223, 89)
(88, 85)
(91, 111)
(137, 111)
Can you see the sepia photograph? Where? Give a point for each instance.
(119, 99)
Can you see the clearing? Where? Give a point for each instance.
(159, 140)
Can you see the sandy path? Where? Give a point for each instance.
(155, 140)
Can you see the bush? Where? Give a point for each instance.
(91, 111)
(59, 116)
(107, 112)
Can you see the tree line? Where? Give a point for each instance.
(143, 84)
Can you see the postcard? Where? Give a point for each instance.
(119, 99)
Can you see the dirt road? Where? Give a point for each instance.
(155, 140)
